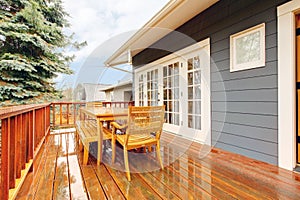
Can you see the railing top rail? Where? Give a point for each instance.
(117, 101)
(68, 102)
(11, 111)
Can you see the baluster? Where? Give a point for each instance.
(18, 150)
(30, 132)
(23, 143)
(53, 114)
(13, 147)
(74, 113)
(60, 114)
(68, 113)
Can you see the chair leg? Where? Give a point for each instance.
(113, 148)
(99, 153)
(76, 137)
(80, 145)
(86, 154)
(126, 164)
(158, 155)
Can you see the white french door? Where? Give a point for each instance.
(148, 87)
(196, 96)
(181, 82)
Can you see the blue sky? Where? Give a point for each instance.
(105, 25)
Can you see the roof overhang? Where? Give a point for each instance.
(170, 17)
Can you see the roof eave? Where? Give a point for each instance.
(165, 20)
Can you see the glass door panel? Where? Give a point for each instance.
(141, 90)
(171, 93)
(298, 85)
(152, 88)
(194, 93)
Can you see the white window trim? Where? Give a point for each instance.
(286, 84)
(248, 65)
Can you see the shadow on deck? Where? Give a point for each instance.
(59, 174)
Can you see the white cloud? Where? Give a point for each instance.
(95, 21)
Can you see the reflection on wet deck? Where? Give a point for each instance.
(58, 174)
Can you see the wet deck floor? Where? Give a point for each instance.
(188, 174)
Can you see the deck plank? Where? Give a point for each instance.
(77, 185)
(270, 184)
(45, 181)
(218, 185)
(93, 187)
(107, 183)
(182, 184)
(61, 189)
(136, 188)
(219, 175)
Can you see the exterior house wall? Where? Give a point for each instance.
(119, 93)
(108, 95)
(251, 117)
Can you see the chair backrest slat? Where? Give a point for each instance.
(145, 119)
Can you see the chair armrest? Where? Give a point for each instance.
(118, 126)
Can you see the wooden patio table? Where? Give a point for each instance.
(102, 114)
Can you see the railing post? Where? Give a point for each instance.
(53, 114)
(5, 152)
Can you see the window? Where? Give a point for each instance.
(247, 49)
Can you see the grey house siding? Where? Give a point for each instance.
(250, 127)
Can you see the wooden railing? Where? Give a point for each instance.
(65, 113)
(23, 131)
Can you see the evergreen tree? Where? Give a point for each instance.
(32, 46)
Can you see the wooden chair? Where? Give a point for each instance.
(143, 128)
(94, 104)
(88, 131)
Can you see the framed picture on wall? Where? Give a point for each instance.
(247, 48)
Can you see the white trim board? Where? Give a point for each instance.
(286, 84)
(180, 53)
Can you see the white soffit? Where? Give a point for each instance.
(170, 17)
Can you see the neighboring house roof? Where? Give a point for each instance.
(126, 80)
(170, 17)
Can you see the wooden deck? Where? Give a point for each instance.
(58, 174)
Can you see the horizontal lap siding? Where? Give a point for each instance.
(244, 103)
